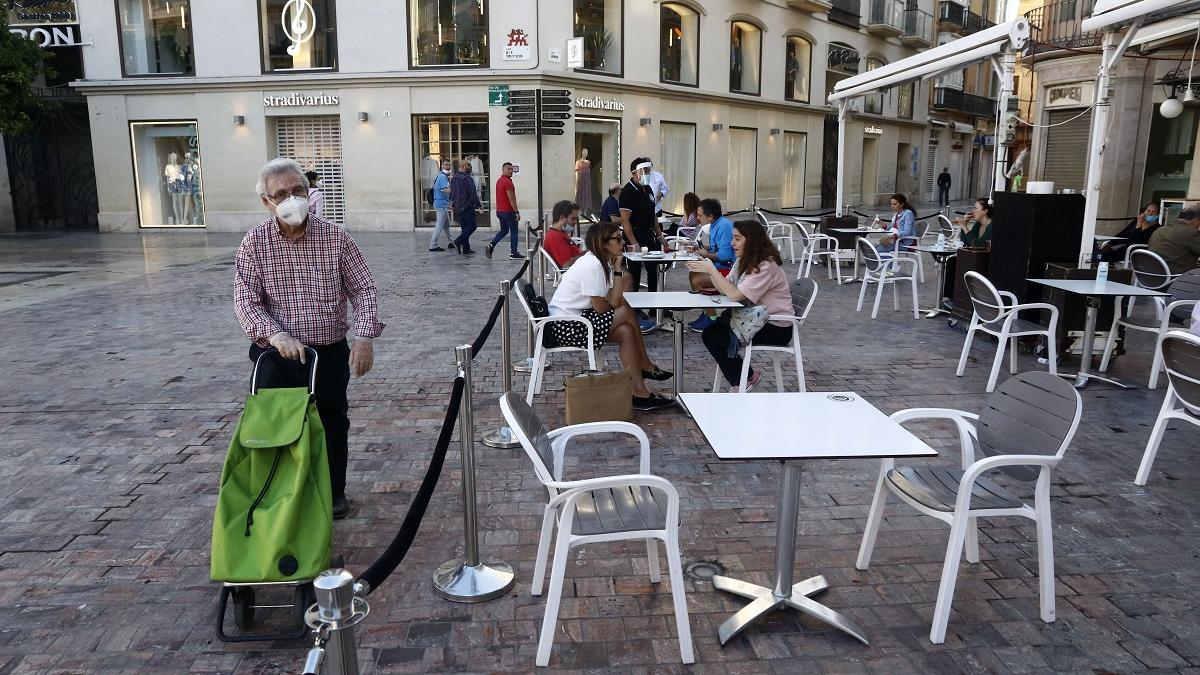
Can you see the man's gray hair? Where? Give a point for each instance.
(277, 167)
(1190, 214)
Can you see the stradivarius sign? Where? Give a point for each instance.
(296, 99)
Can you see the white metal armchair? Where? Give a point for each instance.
(815, 245)
(1024, 430)
(996, 313)
(1149, 271)
(804, 294)
(553, 271)
(540, 349)
(882, 270)
(637, 506)
(1181, 354)
(1185, 295)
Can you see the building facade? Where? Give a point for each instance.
(187, 99)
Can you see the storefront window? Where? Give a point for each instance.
(797, 69)
(599, 23)
(795, 147)
(842, 62)
(448, 32)
(315, 141)
(745, 55)
(1169, 157)
(597, 161)
(679, 44)
(677, 162)
(156, 37)
(742, 162)
(298, 35)
(906, 94)
(873, 102)
(452, 137)
(166, 171)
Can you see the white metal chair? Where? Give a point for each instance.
(996, 313)
(946, 226)
(553, 271)
(1181, 354)
(779, 233)
(817, 245)
(615, 508)
(882, 270)
(540, 349)
(1185, 294)
(1024, 429)
(1129, 251)
(903, 244)
(1152, 272)
(804, 294)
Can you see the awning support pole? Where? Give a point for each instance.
(1008, 64)
(842, 107)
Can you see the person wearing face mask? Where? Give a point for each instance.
(640, 227)
(316, 198)
(441, 206)
(296, 272)
(464, 199)
(1138, 231)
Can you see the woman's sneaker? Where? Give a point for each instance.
(754, 378)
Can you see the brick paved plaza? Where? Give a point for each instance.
(124, 371)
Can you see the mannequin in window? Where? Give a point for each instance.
(192, 161)
(583, 182)
(477, 170)
(429, 173)
(735, 60)
(791, 70)
(176, 176)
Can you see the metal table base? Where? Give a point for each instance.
(1089, 341)
(785, 593)
(940, 261)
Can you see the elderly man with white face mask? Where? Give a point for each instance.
(295, 273)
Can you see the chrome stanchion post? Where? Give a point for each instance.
(541, 268)
(334, 616)
(470, 580)
(525, 365)
(503, 437)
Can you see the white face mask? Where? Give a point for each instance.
(292, 210)
(446, 171)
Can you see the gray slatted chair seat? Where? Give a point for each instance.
(1149, 322)
(622, 509)
(937, 489)
(1018, 326)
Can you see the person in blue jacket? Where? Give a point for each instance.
(441, 204)
(720, 251)
(904, 224)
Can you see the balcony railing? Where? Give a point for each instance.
(886, 17)
(960, 101)
(846, 12)
(918, 27)
(1057, 26)
(956, 18)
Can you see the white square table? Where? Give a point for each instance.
(789, 427)
(1093, 291)
(677, 302)
(666, 260)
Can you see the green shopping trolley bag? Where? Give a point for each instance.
(274, 516)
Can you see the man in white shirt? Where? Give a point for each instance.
(658, 186)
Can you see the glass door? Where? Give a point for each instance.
(597, 161)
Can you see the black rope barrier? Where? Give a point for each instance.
(387, 563)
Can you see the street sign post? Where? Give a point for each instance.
(551, 124)
(556, 108)
(522, 132)
(556, 116)
(553, 132)
(536, 112)
(497, 95)
(527, 108)
(522, 116)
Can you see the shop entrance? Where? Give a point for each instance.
(904, 161)
(600, 139)
(456, 138)
(316, 142)
(51, 169)
(829, 141)
(870, 172)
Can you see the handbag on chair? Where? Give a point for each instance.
(599, 396)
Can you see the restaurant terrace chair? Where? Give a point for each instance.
(1024, 429)
(553, 272)
(997, 314)
(1152, 272)
(1129, 251)
(1181, 354)
(906, 247)
(638, 506)
(1185, 294)
(780, 232)
(882, 270)
(817, 245)
(804, 293)
(541, 339)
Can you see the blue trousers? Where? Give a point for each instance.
(466, 221)
(508, 225)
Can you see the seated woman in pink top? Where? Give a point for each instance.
(757, 279)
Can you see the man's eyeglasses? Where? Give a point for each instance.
(301, 192)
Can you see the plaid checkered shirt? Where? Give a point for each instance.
(301, 287)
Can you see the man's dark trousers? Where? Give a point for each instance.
(651, 243)
(508, 225)
(466, 221)
(944, 196)
(333, 376)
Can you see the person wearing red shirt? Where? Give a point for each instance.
(558, 239)
(506, 212)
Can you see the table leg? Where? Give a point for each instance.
(661, 271)
(941, 283)
(1089, 338)
(784, 593)
(677, 357)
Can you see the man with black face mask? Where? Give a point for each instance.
(295, 273)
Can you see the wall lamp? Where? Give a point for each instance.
(239, 120)
(776, 131)
(362, 117)
(718, 126)
(645, 121)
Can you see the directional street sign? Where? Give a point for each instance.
(555, 92)
(556, 116)
(497, 95)
(554, 108)
(522, 132)
(551, 124)
(517, 124)
(522, 108)
(522, 116)
(518, 93)
(551, 132)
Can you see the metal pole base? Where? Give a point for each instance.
(523, 365)
(765, 601)
(457, 582)
(501, 438)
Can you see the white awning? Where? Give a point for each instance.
(955, 54)
(1113, 13)
(1163, 31)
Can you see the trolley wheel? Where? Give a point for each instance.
(303, 598)
(243, 607)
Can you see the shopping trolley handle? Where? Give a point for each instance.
(312, 369)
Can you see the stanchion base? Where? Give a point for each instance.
(457, 582)
(523, 365)
(500, 438)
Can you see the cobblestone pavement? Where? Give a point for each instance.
(124, 371)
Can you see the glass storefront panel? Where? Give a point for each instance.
(906, 94)
(600, 139)
(795, 151)
(452, 137)
(600, 24)
(677, 162)
(743, 160)
(448, 32)
(316, 142)
(298, 35)
(873, 102)
(841, 63)
(745, 54)
(156, 37)
(1169, 156)
(798, 69)
(166, 172)
(679, 44)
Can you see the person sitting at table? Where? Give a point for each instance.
(904, 224)
(757, 279)
(1179, 242)
(975, 228)
(610, 210)
(587, 290)
(689, 224)
(1138, 231)
(557, 242)
(719, 250)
